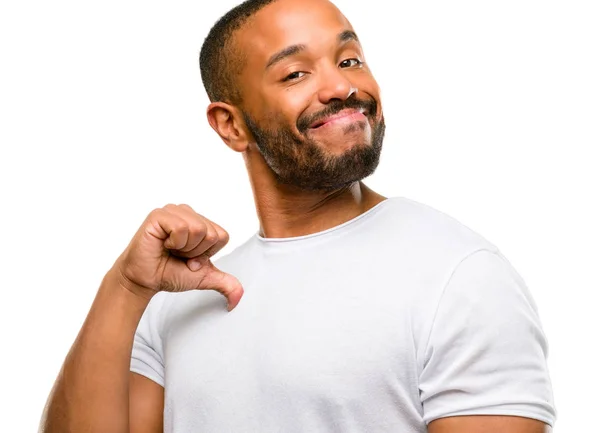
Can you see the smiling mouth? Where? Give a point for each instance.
(348, 114)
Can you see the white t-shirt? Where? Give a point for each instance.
(382, 324)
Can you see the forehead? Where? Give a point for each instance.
(284, 23)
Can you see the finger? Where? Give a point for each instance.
(210, 239)
(168, 227)
(214, 236)
(197, 229)
(200, 231)
(223, 239)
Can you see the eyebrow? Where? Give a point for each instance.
(347, 36)
(343, 37)
(286, 52)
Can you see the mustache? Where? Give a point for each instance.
(334, 107)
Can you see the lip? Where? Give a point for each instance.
(349, 112)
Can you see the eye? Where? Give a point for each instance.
(294, 76)
(348, 63)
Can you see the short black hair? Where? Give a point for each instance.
(220, 62)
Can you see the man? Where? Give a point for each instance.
(359, 313)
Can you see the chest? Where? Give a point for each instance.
(303, 339)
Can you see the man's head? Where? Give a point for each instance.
(289, 77)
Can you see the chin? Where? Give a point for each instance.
(341, 148)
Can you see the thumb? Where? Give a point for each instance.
(226, 284)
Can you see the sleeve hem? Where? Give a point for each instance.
(506, 412)
(150, 375)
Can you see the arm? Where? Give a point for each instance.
(91, 392)
(487, 424)
(95, 391)
(146, 405)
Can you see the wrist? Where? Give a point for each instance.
(117, 279)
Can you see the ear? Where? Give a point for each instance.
(227, 121)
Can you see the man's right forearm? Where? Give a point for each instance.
(91, 393)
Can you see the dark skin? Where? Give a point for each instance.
(98, 385)
(314, 75)
(324, 70)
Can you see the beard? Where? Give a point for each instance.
(303, 163)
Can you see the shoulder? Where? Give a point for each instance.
(426, 229)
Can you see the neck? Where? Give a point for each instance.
(285, 211)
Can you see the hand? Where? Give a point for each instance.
(171, 252)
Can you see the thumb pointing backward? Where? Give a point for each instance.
(215, 279)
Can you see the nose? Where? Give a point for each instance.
(334, 84)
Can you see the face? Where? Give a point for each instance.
(308, 96)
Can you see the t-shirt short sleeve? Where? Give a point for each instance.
(147, 352)
(486, 353)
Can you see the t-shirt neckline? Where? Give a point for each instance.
(323, 232)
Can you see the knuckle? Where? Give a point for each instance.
(156, 212)
(180, 227)
(221, 232)
(224, 236)
(198, 230)
(211, 238)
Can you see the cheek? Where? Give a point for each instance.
(275, 119)
(295, 100)
(369, 86)
(287, 107)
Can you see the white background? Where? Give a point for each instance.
(493, 114)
